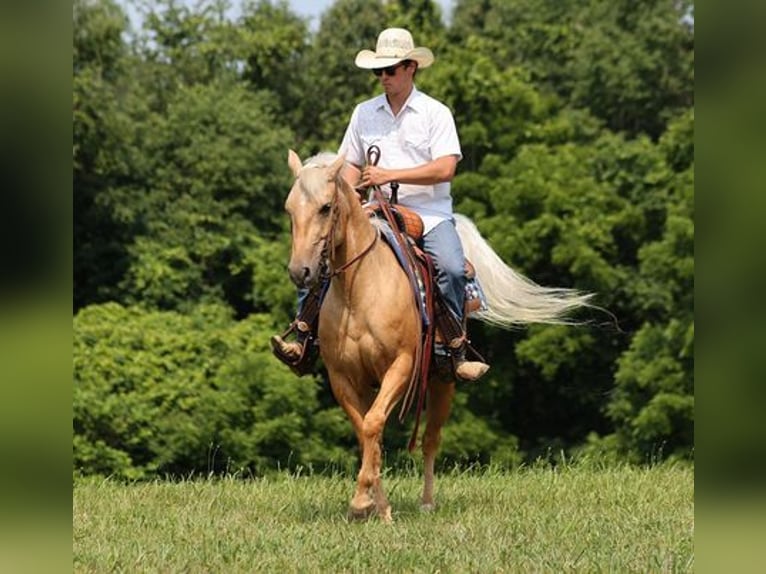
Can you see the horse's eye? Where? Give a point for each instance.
(325, 209)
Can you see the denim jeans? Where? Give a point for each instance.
(442, 243)
(302, 294)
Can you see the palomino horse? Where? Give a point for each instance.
(369, 324)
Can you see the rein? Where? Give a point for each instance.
(328, 249)
(357, 257)
(417, 389)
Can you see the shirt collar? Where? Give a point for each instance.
(414, 101)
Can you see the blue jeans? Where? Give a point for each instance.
(442, 243)
(302, 294)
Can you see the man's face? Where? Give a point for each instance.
(395, 78)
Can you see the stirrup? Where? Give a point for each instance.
(299, 355)
(287, 351)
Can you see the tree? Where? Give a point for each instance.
(334, 84)
(635, 66)
(496, 109)
(423, 18)
(169, 393)
(630, 64)
(218, 184)
(186, 46)
(274, 43)
(107, 151)
(653, 403)
(594, 216)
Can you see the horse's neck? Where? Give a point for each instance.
(359, 235)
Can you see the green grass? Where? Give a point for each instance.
(572, 519)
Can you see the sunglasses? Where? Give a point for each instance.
(390, 71)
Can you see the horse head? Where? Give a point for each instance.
(315, 206)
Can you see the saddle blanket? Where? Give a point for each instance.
(473, 290)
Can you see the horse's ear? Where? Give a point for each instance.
(335, 167)
(294, 162)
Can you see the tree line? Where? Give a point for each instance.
(576, 120)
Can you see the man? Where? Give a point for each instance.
(419, 149)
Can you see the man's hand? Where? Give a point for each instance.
(374, 175)
(430, 173)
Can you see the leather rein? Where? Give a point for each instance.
(328, 249)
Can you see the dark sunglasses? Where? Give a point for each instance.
(390, 71)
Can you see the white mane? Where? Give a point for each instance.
(322, 159)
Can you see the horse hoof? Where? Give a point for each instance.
(358, 514)
(427, 507)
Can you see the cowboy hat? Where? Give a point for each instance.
(394, 45)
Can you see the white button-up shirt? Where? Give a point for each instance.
(423, 131)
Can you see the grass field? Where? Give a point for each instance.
(571, 519)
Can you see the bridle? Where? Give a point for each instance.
(328, 244)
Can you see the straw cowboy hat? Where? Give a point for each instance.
(394, 45)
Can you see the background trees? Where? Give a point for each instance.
(576, 121)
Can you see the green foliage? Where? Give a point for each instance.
(576, 122)
(275, 42)
(610, 217)
(495, 107)
(162, 392)
(190, 45)
(635, 65)
(423, 18)
(108, 154)
(96, 38)
(653, 404)
(215, 189)
(334, 84)
(468, 439)
(629, 63)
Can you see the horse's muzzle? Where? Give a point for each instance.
(302, 276)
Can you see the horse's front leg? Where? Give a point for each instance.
(356, 402)
(392, 388)
(437, 411)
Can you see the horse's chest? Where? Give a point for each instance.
(370, 332)
(341, 324)
(349, 340)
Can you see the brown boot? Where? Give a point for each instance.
(464, 369)
(291, 350)
(295, 354)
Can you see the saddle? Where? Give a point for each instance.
(410, 224)
(406, 220)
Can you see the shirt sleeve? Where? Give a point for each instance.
(444, 138)
(351, 145)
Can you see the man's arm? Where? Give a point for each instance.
(435, 171)
(351, 174)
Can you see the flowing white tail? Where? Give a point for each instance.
(512, 299)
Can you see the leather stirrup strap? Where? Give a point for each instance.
(454, 333)
(305, 326)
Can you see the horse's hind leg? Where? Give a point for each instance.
(437, 410)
